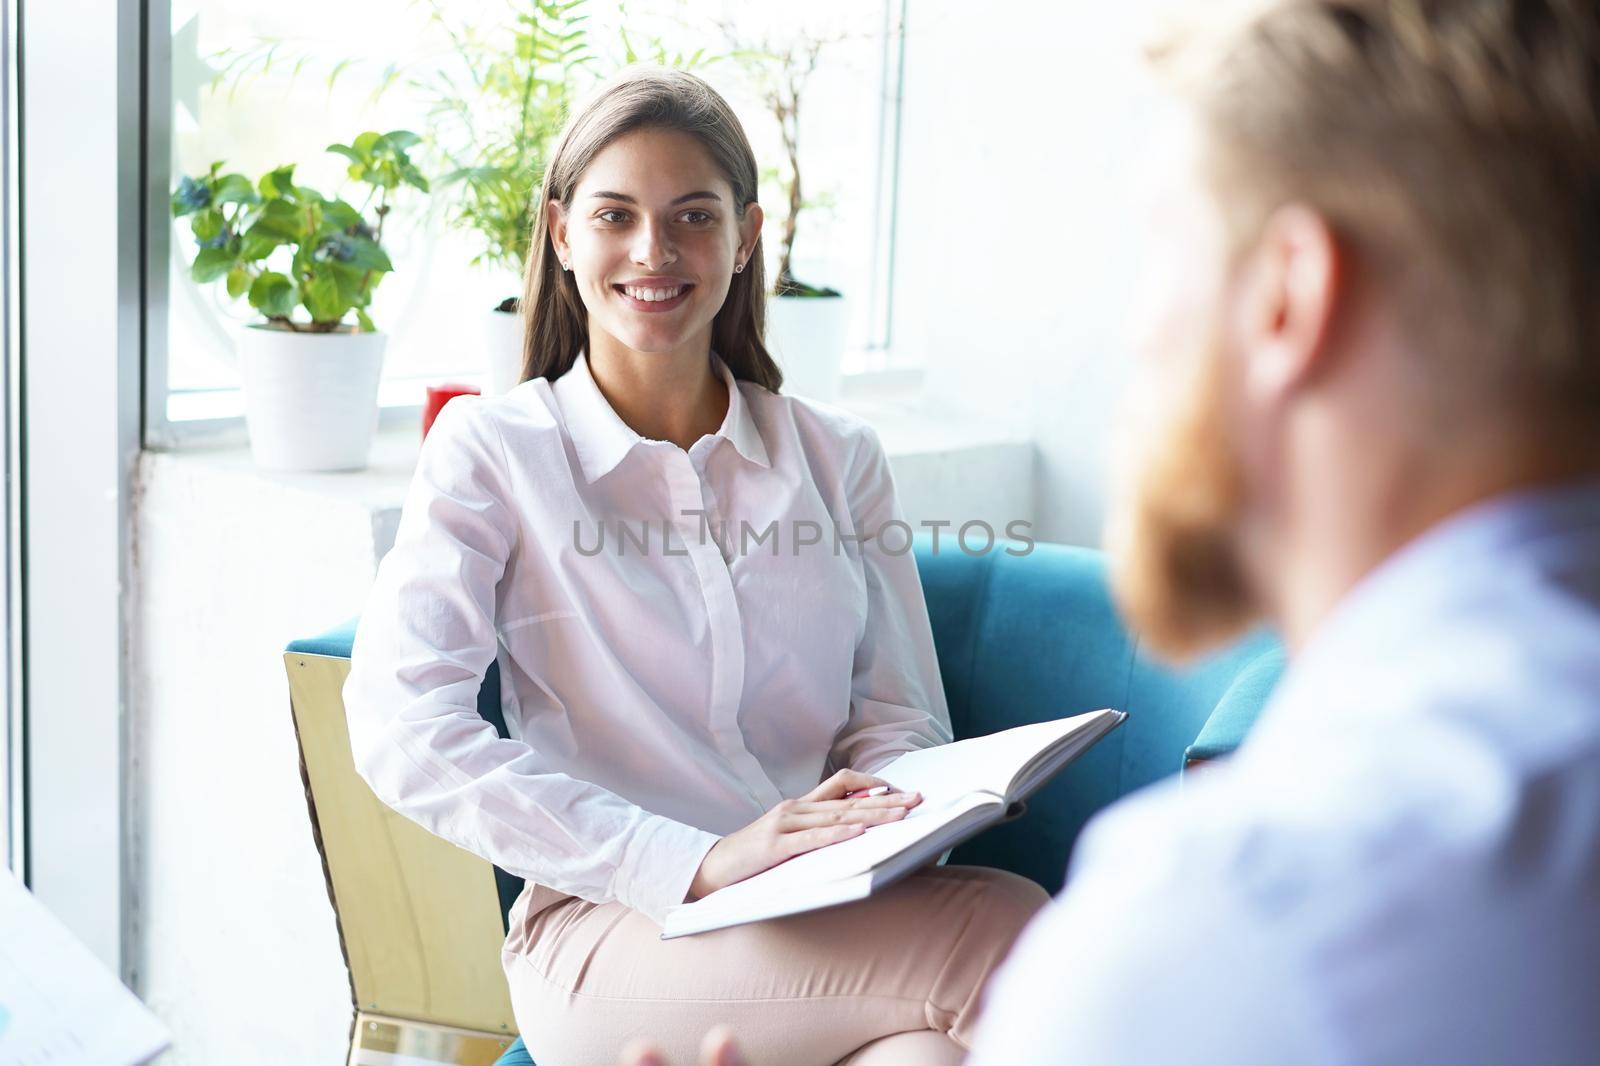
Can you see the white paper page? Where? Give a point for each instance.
(59, 1006)
(979, 763)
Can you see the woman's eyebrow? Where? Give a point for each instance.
(685, 198)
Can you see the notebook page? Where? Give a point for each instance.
(1049, 762)
(988, 763)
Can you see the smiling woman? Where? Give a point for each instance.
(644, 217)
(682, 716)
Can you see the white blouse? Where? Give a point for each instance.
(684, 638)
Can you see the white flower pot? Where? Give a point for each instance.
(502, 347)
(311, 399)
(806, 334)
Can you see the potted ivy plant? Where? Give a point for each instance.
(308, 264)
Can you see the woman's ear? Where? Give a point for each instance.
(555, 218)
(749, 231)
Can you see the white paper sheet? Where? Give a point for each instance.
(59, 1006)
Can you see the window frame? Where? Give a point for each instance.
(882, 367)
(82, 187)
(13, 739)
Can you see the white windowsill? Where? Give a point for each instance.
(214, 418)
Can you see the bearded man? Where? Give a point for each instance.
(1370, 400)
(1368, 413)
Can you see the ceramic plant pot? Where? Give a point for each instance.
(806, 334)
(311, 399)
(502, 347)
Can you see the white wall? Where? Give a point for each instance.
(1015, 255)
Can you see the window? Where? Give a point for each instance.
(258, 86)
(12, 738)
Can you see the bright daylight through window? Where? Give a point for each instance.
(423, 130)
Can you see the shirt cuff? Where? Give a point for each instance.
(660, 865)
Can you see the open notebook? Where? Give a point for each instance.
(966, 787)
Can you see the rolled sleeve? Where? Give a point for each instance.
(422, 647)
(897, 701)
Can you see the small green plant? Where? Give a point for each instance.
(336, 259)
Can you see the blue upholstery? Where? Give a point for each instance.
(1026, 639)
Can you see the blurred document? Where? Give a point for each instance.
(59, 1005)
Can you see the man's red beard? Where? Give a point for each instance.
(1175, 529)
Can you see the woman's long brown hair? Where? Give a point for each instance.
(555, 322)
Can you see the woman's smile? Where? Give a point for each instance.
(654, 294)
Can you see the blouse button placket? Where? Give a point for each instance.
(723, 623)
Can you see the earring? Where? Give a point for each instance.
(738, 268)
(566, 266)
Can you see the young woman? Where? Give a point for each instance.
(704, 649)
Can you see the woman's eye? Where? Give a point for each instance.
(696, 217)
(606, 216)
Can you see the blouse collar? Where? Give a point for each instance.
(602, 438)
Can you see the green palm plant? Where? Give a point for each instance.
(494, 114)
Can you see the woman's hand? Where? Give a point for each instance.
(825, 815)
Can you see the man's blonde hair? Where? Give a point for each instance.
(1454, 146)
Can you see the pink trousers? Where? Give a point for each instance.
(903, 970)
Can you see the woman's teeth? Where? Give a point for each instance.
(653, 295)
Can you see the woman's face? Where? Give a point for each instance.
(653, 237)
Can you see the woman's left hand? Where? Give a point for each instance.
(717, 1049)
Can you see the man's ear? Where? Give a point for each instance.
(555, 215)
(749, 230)
(1290, 291)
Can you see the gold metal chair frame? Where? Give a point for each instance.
(418, 918)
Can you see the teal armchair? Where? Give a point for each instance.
(1024, 639)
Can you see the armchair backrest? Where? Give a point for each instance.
(419, 919)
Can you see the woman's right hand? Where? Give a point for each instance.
(795, 826)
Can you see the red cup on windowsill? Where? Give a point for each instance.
(438, 396)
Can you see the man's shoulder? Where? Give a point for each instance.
(1165, 945)
(1235, 919)
(1450, 846)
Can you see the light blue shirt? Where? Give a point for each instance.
(1400, 865)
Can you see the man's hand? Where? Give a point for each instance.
(717, 1049)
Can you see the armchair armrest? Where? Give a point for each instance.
(1237, 710)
